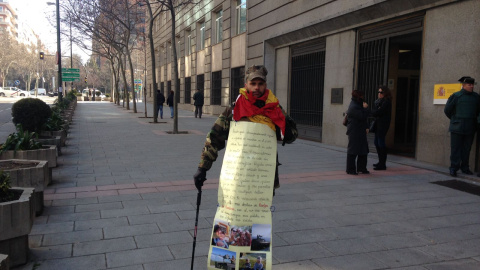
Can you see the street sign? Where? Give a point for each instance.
(138, 84)
(70, 79)
(17, 82)
(73, 70)
(70, 75)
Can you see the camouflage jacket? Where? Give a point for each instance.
(219, 134)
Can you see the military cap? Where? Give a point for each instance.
(256, 72)
(467, 79)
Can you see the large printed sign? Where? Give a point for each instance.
(242, 231)
(443, 91)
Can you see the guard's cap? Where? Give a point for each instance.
(255, 72)
(467, 79)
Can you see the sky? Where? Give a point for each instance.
(35, 13)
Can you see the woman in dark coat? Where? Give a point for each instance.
(382, 114)
(357, 129)
(170, 103)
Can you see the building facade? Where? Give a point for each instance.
(8, 18)
(318, 51)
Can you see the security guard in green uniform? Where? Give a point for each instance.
(462, 109)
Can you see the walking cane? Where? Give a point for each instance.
(199, 199)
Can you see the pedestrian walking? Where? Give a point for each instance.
(383, 114)
(462, 109)
(170, 103)
(160, 101)
(198, 103)
(357, 129)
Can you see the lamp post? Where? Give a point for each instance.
(59, 51)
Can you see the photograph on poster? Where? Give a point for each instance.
(222, 259)
(261, 237)
(241, 236)
(221, 234)
(253, 261)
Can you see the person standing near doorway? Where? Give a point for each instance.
(160, 101)
(170, 103)
(198, 103)
(357, 129)
(382, 114)
(462, 109)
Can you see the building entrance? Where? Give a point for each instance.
(390, 54)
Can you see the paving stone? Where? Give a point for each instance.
(52, 228)
(454, 250)
(55, 210)
(404, 257)
(131, 267)
(75, 263)
(78, 201)
(35, 240)
(103, 246)
(182, 251)
(73, 217)
(100, 223)
(50, 252)
(124, 212)
(182, 225)
(148, 202)
(303, 265)
(123, 231)
(153, 218)
(352, 246)
(119, 198)
(294, 253)
(163, 239)
(72, 237)
(466, 264)
(199, 264)
(170, 208)
(306, 236)
(138, 256)
(311, 223)
(351, 262)
(98, 207)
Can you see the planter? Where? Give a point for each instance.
(48, 153)
(29, 173)
(79, 98)
(47, 140)
(62, 133)
(16, 220)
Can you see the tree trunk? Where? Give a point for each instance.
(152, 58)
(175, 71)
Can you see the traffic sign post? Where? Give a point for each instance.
(70, 74)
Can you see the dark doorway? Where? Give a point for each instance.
(307, 88)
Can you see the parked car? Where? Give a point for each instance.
(12, 91)
(40, 92)
(98, 93)
(52, 94)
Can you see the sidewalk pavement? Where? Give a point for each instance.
(123, 198)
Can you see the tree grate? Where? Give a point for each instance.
(460, 185)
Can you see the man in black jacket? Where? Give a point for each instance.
(198, 103)
(160, 101)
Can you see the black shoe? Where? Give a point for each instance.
(380, 168)
(453, 172)
(375, 164)
(467, 171)
(352, 173)
(364, 172)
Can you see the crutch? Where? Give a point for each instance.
(199, 199)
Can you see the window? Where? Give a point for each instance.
(218, 26)
(216, 97)
(241, 16)
(237, 82)
(188, 42)
(200, 82)
(169, 52)
(201, 36)
(162, 88)
(188, 90)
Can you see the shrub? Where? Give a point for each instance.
(54, 122)
(20, 141)
(31, 113)
(5, 193)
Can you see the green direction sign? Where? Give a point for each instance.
(70, 79)
(72, 70)
(70, 75)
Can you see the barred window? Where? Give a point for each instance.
(188, 90)
(216, 96)
(237, 81)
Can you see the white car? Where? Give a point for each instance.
(13, 92)
(40, 92)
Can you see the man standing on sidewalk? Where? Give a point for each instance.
(255, 103)
(462, 109)
(160, 101)
(198, 103)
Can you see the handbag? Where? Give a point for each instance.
(345, 120)
(373, 126)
